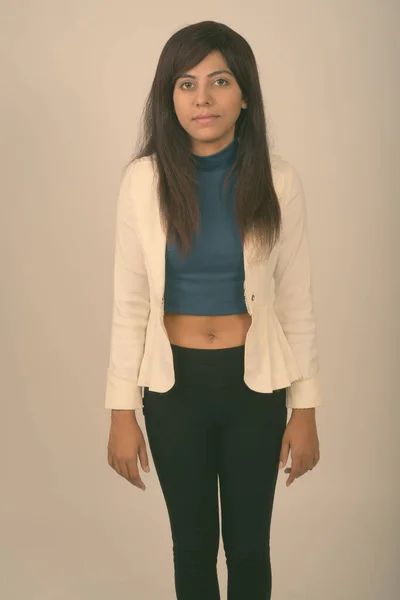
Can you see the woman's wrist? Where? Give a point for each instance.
(122, 415)
(307, 413)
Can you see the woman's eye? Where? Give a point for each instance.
(190, 83)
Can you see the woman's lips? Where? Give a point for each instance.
(205, 120)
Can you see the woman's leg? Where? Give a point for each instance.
(251, 430)
(212, 424)
(182, 441)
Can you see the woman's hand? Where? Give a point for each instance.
(302, 439)
(125, 444)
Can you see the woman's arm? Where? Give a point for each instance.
(131, 305)
(293, 294)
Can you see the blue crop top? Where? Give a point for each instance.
(209, 280)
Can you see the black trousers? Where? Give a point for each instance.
(212, 427)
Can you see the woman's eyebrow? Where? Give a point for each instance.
(209, 75)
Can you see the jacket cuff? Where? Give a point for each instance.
(304, 393)
(122, 394)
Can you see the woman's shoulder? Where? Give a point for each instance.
(281, 167)
(139, 166)
(285, 176)
(138, 174)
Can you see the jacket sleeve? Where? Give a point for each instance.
(293, 302)
(131, 305)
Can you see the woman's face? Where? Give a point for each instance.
(204, 90)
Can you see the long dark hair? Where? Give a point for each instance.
(257, 209)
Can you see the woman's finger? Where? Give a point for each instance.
(294, 470)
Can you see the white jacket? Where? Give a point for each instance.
(281, 344)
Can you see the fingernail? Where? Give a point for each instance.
(147, 468)
(281, 465)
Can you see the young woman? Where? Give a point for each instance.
(213, 330)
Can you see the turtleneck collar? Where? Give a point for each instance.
(222, 158)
